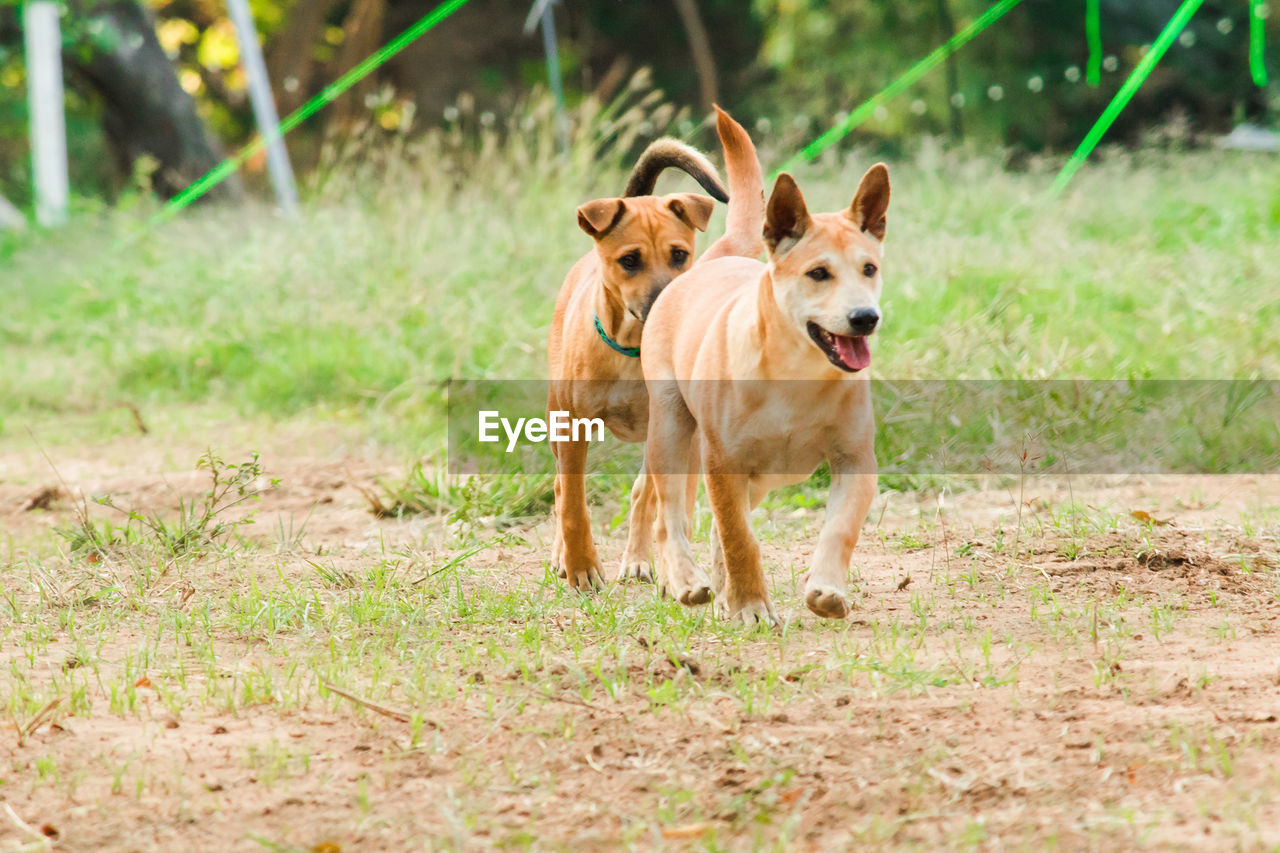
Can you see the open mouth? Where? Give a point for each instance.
(849, 353)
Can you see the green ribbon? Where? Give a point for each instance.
(900, 85)
(1093, 32)
(1162, 43)
(1257, 43)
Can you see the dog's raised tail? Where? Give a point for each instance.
(672, 153)
(744, 225)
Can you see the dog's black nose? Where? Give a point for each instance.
(864, 321)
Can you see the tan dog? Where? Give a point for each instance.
(763, 365)
(642, 242)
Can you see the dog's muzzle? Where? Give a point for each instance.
(864, 321)
(641, 311)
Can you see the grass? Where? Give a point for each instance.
(460, 656)
(400, 667)
(401, 276)
(1154, 265)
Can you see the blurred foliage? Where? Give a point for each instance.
(1022, 83)
(791, 66)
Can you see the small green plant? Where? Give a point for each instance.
(200, 523)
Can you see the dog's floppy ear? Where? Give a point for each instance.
(598, 217)
(692, 209)
(871, 202)
(785, 217)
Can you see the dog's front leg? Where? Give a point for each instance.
(581, 564)
(745, 595)
(719, 577)
(847, 506)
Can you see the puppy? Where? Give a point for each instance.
(763, 365)
(642, 242)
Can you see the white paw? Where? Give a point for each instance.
(826, 601)
(690, 587)
(756, 613)
(635, 570)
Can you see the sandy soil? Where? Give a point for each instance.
(1011, 677)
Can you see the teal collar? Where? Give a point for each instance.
(629, 352)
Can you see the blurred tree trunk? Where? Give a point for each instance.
(704, 62)
(145, 109)
(291, 60)
(361, 36)
(948, 25)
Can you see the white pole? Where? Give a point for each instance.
(551, 49)
(10, 216)
(264, 107)
(541, 13)
(48, 123)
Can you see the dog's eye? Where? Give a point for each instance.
(869, 270)
(819, 273)
(630, 261)
(678, 257)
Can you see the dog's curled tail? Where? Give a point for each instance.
(744, 225)
(667, 153)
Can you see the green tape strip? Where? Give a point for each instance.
(1258, 42)
(329, 94)
(1093, 33)
(1166, 38)
(908, 79)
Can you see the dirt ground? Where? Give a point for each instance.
(1079, 665)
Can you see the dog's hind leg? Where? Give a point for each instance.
(719, 578)
(581, 564)
(691, 482)
(669, 461)
(746, 597)
(636, 557)
(557, 538)
(847, 506)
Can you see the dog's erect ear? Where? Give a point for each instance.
(871, 202)
(785, 217)
(598, 217)
(692, 209)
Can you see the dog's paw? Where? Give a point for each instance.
(690, 587)
(826, 601)
(635, 570)
(695, 595)
(590, 580)
(757, 613)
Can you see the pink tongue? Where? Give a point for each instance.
(854, 352)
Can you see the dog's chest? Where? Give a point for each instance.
(783, 457)
(780, 439)
(623, 406)
(772, 440)
(628, 420)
